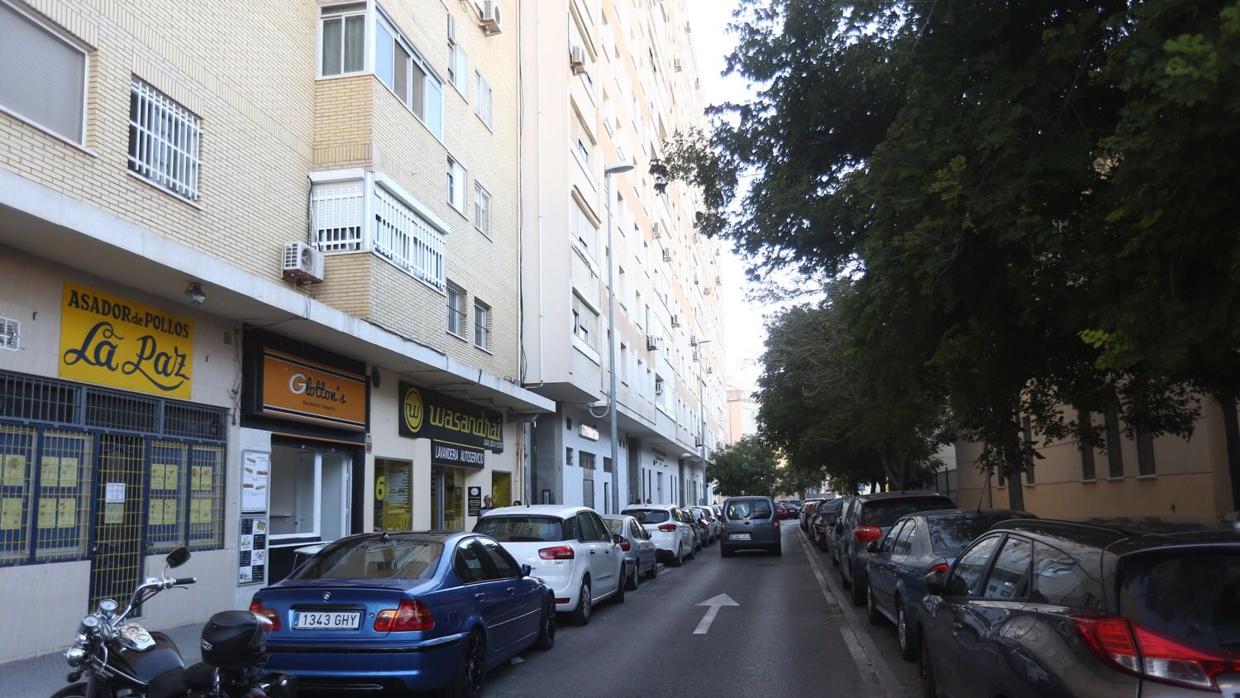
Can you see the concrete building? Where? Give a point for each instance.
(1166, 477)
(615, 81)
(254, 278)
(742, 414)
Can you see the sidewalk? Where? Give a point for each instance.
(39, 677)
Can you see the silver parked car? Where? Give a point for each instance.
(750, 522)
(713, 527)
(640, 552)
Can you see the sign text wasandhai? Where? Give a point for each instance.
(426, 414)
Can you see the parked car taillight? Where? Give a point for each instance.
(559, 552)
(410, 615)
(1135, 650)
(940, 567)
(625, 545)
(272, 616)
(667, 527)
(867, 534)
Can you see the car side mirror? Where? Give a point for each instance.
(873, 546)
(177, 557)
(935, 583)
(526, 570)
(617, 539)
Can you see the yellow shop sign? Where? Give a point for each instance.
(117, 342)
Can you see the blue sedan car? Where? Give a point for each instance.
(916, 545)
(405, 612)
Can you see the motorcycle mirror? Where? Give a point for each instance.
(177, 557)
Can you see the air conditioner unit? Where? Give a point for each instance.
(577, 60)
(667, 255)
(489, 19)
(302, 263)
(697, 442)
(652, 342)
(675, 321)
(656, 231)
(451, 28)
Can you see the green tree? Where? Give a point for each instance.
(745, 467)
(981, 172)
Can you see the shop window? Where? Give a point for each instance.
(309, 491)
(166, 487)
(501, 489)
(393, 495)
(206, 497)
(16, 455)
(62, 520)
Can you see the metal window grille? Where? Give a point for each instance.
(122, 411)
(163, 140)
(195, 421)
(16, 458)
(62, 522)
(10, 334)
(587, 491)
(206, 497)
(166, 511)
(38, 399)
(337, 215)
(116, 556)
(405, 239)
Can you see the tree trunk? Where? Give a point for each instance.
(1013, 456)
(1231, 429)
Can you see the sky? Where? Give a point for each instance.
(744, 331)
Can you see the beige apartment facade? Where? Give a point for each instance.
(742, 414)
(245, 268)
(615, 81)
(1134, 477)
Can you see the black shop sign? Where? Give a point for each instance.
(457, 456)
(426, 414)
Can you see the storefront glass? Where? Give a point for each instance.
(393, 495)
(448, 499)
(309, 493)
(501, 489)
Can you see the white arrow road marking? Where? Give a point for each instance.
(713, 604)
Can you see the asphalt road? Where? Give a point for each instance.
(792, 633)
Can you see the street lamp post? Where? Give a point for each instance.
(611, 343)
(701, 411)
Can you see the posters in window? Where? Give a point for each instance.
(255, 478)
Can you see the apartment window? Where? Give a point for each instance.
(624, 363)
(482, 325)
(406, 239)
(456, 185)
(482, 98)
(585, 322)
(44, 76)
(163, 140)
(587, 460)
(482, 209)
(342, 39)
(637, 303)
(458, 68)
(568, 455)
(1145, 453)
(1115, 454)
(583, 142)
(409, 77)
(456, 309)
(583, 228)
(621, 287)
(1087, 450)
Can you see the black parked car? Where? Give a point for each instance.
(1057, 609)
(915, 545)
(823, 521)
(866, 519)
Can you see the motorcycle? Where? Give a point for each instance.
(122, 659)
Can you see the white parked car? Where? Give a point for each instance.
(569, 548)
(667, 528)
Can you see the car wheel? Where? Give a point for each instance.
(654, 569)
(467, 681)
(581, 615)
(858, 591)
(844, 580)
(929, 689)
(905, 633)
(724, 551)
(693, 555)
(622, 582)
(631, 579)
(778, 550)
(546, 629)
(680, 556)
(871, 610)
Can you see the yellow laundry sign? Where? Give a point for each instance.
(117, 342)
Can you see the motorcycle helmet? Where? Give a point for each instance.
(234, 640)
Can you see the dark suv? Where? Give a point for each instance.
(1054, 608)
(867, 518)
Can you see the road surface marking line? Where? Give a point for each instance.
(713, 605)
(871, 666)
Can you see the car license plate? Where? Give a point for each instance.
(326, 620)
(738, 536)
